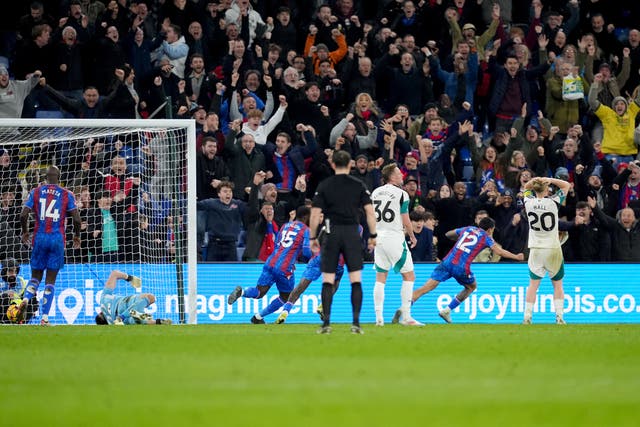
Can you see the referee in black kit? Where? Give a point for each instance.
(340, 198)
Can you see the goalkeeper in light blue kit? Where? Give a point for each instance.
(125, 310)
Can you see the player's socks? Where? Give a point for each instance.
(31, 289)
(271, 308)
(287, 307)
(250, 292)
(378, 300)
(327, 299)
(356, 302)
(559, 306)
(454, 303)
(406, 293)
(47, 299)
(528, 310)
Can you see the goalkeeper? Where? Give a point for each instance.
(125, 310)
(12, 287)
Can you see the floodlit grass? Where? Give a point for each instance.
(252, 375)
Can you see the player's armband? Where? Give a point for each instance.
(527, 194)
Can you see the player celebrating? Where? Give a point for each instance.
(545, 249)
(391, 205)
(50, 205)
(128, 310)
(457, 264)
(292, 240)
(311, 273)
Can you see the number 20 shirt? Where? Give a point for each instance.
(542, 215)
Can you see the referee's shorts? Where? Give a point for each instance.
(343, 240)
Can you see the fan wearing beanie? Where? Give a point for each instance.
(618, 122)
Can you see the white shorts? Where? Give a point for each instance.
(392, 254)
(545, 260)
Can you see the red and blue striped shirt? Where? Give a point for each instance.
(292, 239)
(471, 241)
(50, 204)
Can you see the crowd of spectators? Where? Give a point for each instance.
(471, 98)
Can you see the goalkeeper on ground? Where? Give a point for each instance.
(125, 310)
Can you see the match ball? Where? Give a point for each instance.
(12, 313)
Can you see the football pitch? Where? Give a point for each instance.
(287, 375)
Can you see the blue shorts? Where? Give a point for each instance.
(285, 282)
(313, 271)
(445, 271)
(47, 253)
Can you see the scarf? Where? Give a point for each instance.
(269, 241)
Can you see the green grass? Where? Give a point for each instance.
(253, 375)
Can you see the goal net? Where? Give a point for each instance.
(134, 183)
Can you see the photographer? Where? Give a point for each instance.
(12, 288)
(173, 47)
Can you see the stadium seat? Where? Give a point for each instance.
(49, 114)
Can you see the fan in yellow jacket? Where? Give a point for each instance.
(618, 121)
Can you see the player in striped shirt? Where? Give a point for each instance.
(311, 273)
(292, 240)
(457, 264)
(50, 205)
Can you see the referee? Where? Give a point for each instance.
(340, 199)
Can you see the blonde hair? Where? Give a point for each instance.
(514, 156)
(372, 106)
(540, 187)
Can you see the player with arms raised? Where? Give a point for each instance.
(50, 204)
(457, 264)
(545, 254)
(391, 205)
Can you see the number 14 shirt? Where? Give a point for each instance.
(50, 204)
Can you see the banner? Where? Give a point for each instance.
(600, 293)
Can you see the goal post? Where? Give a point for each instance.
(135, 185)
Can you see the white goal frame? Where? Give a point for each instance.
(142, 124)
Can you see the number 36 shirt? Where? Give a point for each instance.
(542, 215)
